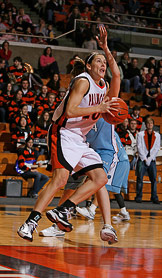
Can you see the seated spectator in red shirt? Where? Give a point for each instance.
(14, 106)
(151, 93)
(86, 13)
(20, 25)
(151, 72)
(11, 19)
(4, 79)
(5, 52)
(28, 95)
(6, 97)
(29, 98)
(26, 167)
(25, 17)
(131, 149)
(23, 113)
(60, 96)
(150, 63)
(122, 130)
(21, 132)
(48, 64)
(16, 71)
(160, 78)
(42, 98)
(159, 103)
(41, 130)
(50, 106)
(70, 65)
(39, 39)
(135, 115)
(54, 83)
(3, 9)
(42, 125)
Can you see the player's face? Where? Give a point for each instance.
(98, 66)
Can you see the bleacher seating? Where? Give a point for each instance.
(146, 185)
(8, 158)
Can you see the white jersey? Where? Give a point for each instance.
(81, 125)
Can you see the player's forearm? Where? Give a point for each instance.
(81, 112)
(112, 63)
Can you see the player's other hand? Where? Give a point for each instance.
(108, 105)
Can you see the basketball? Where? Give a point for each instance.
(119, 116)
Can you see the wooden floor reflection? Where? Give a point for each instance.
(82, 253)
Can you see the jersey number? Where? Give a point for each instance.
(94, 116)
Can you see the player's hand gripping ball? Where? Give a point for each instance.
(119, 116)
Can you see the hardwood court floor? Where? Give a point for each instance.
(82, 253)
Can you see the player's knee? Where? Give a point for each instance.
(59, 182)
(102, 180)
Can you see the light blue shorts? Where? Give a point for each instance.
(117, 173)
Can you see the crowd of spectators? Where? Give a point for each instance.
(16, 25)
(28, 108)
(144, 81)
(142, 144)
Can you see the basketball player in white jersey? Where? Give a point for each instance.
(72, 120)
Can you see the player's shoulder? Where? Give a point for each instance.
(80, 81)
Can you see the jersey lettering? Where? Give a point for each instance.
(95, 99)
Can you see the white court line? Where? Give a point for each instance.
(5, 268)
(16, 275)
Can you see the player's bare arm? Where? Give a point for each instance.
(115, 82)
(73, 110)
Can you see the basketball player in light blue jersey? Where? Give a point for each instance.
(106, 142)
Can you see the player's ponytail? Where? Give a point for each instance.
(78, 67)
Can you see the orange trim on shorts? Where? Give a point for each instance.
(58, 160)
(54, 152)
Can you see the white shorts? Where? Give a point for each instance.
(70, 151)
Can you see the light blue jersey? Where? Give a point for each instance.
(106, 142)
